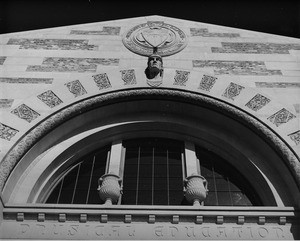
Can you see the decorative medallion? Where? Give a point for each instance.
(233, 90)
(257, 102)
(128, 76)
(295, 137)
(26, 113)
(50, 99)
(207, 82)
(102, 81)
(7, 132)
(281, 117)
(76, 88)
(181, 77)
(167, 38)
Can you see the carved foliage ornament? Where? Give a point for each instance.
(167, 38)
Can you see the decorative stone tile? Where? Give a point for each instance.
(102, 81)
(257, 102)
(26, 113)
(2, 59)
(105, 31)
(255, 48)
(277, 84)
(52, 44)
(181, 77)
(232, 91)
(203, 32)
(207, 82)
(26, 80)
(295, 136)
(236, 67)
(6, 103)
(76, 88)
(128, 76)
(7, 132)
(281, 117)
(50, 99)
(57, 64)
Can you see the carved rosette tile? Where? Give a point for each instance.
(26, 113)
(257, 102)
(76, 88)
(142, 38)
(181, 77)
(102, 81)
(281, 117)
(207, 82)
(128, 76)
(7, 132)
(233, 90)
(50, 99)
(295, 137)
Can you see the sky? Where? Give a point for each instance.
(276, 17)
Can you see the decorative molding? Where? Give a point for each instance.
(232, 91)
(280, 117)
(236, 67)
(203, 32)
(26, 113)
(181, 77)
(26, 80)
(142, 38)
(6, 103)
(255, 48)
(105, 31)
(36, 133)
(257, 102)
(76, 88)
(207, 82)
(277, 84)
(50, 99)
(7, 132)
(128, 76)
(295, 136)
(102, 81)
(52, 44)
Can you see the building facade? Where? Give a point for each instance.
(204, 143)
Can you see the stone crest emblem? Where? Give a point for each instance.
(166, 38)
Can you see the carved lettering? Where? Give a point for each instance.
(205, 232)
(57, 229)
(222, 232)
(279, 232)
(24, 228)
(73, 230)
(250, 231)
(238, 230)
(99, 230)
(158, 230)
(41, 228)
(190, 231)
(173, 230)
(263, 232)
(131, 231)
(115, 231)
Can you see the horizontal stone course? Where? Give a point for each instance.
(105, 31)
(26, 80)
(236, 67)
(203, 32)
(57, 64)
(277, 84)
(255, 48)
(52, 44)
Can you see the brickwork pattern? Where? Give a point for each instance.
(281, 117)
(203, 32)
(26, 113)
(57, 64)
(181, 77)
(257, 102)
(105, 31)
(102, 81)
(52, 44)
(232, 91)
(255, 48)
(2, 59)
(76, 88)
(6, 103)
(7, 132)
(236, 67)
(128, 76)
(277, 84)
(50, 99)
(295, 136)
(26, 80)
(207, 82)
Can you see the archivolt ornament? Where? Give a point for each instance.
(166, 38)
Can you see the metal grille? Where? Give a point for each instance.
(153, 172)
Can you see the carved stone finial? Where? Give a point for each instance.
(109, 188)
(195, 189)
